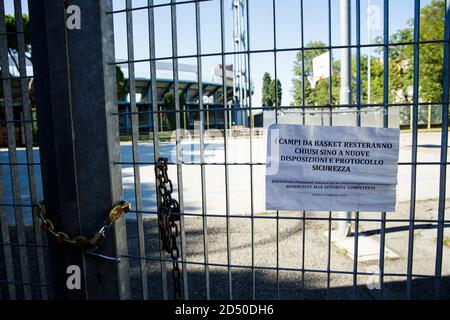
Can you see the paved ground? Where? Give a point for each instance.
(289, 256)
(290, 232)
(239, 175)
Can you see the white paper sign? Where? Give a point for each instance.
(321, 168)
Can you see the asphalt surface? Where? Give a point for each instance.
(239, 189)
(270, 284)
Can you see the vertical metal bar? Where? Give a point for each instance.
(173, 14)
(155, 126)
(78, 141)
(444, 146)
(415, 119)
(202, 143)
(358, 123)
(385, 125)
(359, 92)
(330, 102)
(235, 48)
(369, 60)
(276, 117)
(330, 60)
(7, 254)
(303, 62)
(4, 225)
(120, 276)
(135, 148)
(14, 170)
(345, 96)
(346, 59)
(252, 200)
(329, 254)
(29, 144)
(304, 122)
(225, 137)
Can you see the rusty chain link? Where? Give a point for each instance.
(168, 215)
(82, 242)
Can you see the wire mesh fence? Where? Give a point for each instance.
(188, 83)
(24, 272)
(221, 244)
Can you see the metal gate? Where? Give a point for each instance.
(88, 100)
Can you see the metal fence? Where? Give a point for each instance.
(222, 255)
(23, 271)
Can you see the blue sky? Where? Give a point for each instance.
(288, 32)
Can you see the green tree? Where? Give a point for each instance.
(11, 29)
(266, 101)
(303, 68)
(169, 118)
(320, 95)
(431, 58)
(275, 92)
(168, 104)
(271, 91)
(121, 87)
(401, 68)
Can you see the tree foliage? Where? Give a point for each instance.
(169, 118)
(303, 68)
(265, 96)
(275, 92)
(271, 91)
(401, 68)
(11, 29)
(431, 58)
(121, 87)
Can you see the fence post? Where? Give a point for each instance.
(344, 226)
(79, 140)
